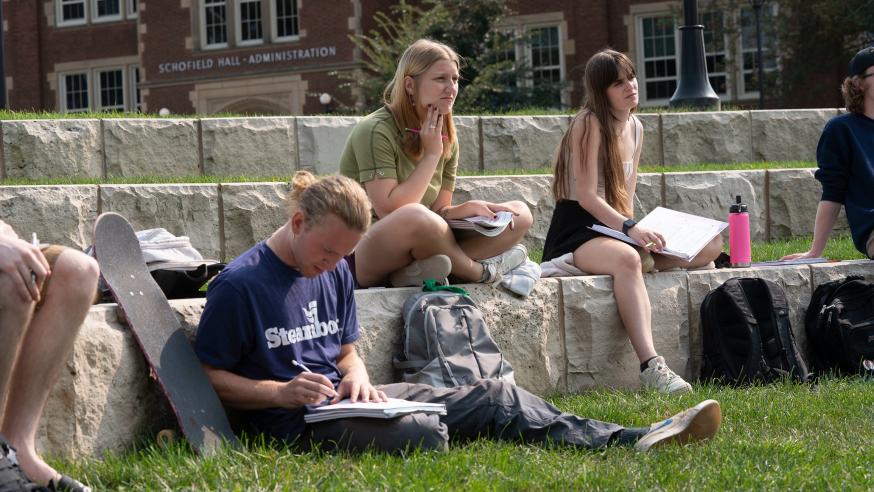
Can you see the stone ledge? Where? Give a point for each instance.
(565, 337)
(277, 145)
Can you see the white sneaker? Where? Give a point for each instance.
(659, 376)
(695, 424)
(436, 267)
(495, 267)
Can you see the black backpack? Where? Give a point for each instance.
(840, 326)
(747, 335)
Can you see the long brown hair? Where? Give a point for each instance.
(416, 60)
(602, 70)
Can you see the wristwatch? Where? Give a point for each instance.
(628, 224)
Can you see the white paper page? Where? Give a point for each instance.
(391, 404)
(684, 233)
(502, 219)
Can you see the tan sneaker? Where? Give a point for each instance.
(698, 423)
(436, 267)
(659, 376)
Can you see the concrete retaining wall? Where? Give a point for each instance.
(277, 146)
(565, 337)
(223, 220)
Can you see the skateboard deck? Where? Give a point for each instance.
(159, 334)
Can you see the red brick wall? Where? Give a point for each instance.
(168, 26)
(33, 48)
(175, 98)
(21, 45)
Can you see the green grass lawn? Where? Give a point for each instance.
(839, 247)
(780, 437)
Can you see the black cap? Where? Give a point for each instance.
(863, 59)
(737, 207)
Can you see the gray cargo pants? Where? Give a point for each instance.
(489, 408)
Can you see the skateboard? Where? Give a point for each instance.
(159, 334)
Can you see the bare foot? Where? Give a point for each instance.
(33, 466)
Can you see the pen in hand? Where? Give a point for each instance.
(300, 366)
(304, 368)
(35, 242)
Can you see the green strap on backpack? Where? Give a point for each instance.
(431, 285)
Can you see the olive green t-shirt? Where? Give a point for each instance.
(375, 150)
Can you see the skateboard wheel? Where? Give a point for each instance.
(165, 438)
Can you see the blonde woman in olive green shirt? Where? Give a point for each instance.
(406, 157)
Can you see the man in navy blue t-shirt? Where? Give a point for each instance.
(845, 156)
(277, 334)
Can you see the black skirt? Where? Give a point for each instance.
(568, 229)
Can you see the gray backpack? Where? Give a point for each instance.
(446, 342)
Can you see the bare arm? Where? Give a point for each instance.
(587, 170)
(387, 195)
(826, 216)
(355, 383)
(250, 394)
(587, 137)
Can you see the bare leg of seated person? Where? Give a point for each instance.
(707, 255)
(45, 344)
(410, 233)
(606, 256)
(480, 247)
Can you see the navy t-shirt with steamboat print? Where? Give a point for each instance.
(261, 314)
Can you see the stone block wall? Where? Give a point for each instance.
(565, 337)
(277, 146)
(223, 220)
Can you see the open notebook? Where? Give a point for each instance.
(377, 410)
(486, 226)
(685, 234)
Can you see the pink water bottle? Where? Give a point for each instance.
(739, 234)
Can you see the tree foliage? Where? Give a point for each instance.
(490, 79)
(817, 40)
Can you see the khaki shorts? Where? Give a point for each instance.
(869, 246)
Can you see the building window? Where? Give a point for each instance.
(132, 9)
(659, 57)
(215, 23)
(110, 90)
(249, 15)
(70, 12)
(714, 43)
(105, 10)
(74, 92)
(286, 19)
(749, 83)
(137, 102)
(545, 56)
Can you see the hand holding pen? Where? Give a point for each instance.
(25, 265)
(308, 388)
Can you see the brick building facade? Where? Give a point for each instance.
(278, 56)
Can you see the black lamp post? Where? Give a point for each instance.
(693, 86)
(760, 70)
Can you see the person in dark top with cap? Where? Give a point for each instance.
(845, 156)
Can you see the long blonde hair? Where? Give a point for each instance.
(602, 70)
(416, 60)
(337, 195)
